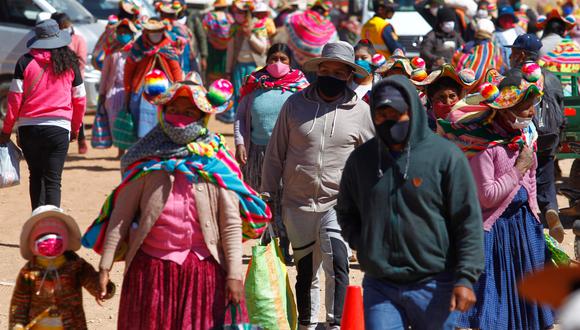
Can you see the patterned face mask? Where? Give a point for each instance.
(184, 134)
(49, 245)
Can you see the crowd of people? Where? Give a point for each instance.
(432, 172)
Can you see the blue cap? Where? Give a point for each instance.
(507, 10)
(528, 42)
(387, 95)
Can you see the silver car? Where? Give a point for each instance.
(17, 19)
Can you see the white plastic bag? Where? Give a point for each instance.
(9, 165)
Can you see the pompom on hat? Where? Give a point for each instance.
(37, 225)
(399, 60)
(214, 101)
(465, 78)
(569, 21)
(494, 96)
(169, 7)
(378, 60)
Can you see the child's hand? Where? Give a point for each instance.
(103, 281)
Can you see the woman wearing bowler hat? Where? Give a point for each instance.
(46, 103)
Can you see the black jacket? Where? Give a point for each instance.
(416, 215)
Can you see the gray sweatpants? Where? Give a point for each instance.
(316, 240)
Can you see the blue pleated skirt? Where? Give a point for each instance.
(144, 113)
(514, 247)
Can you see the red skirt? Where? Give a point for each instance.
(160, 294)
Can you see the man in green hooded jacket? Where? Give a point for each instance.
(408, 204)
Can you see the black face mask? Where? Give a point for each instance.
(330, 86)
(393, 132)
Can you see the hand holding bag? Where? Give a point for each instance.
(124, 132)
(101, 133)
(269, 296)
(10, 156)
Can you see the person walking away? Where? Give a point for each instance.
(499, 141)
(79, 46)
(246, 51)
(555, 29)
(172, 280)
(127, 9)
(481, 54)
(217, 24)
(309, 32)
(366, 57)
(170, 12)
(380, 31)
(47, 103)
(444, 88)
(506, 33)
(441, 43)
(263, 96)
(408, 205)
(154, 49)
(549, 120)
(315, 132)
(112, 95)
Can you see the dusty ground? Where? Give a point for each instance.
(86, 182)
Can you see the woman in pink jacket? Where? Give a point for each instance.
(46, 102)
(499, 138)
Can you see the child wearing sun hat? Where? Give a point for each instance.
(48, 291)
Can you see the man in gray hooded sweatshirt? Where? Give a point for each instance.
(316, 131)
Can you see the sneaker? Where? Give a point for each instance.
(556, 230)
(83, 148)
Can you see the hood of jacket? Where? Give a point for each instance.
(41, 56)
(418, 128)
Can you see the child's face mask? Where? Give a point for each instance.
(49, 246)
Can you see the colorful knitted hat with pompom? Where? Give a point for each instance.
(464, 78)
(491, 95)
(220, 93)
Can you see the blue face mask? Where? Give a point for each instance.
(124, 38)
(365, 65)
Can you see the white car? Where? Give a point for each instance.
(17, 20)
(409, 25)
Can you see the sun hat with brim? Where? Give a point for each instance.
(551, 285)
(213, 101)
(244, 5)
(153, 24)
(128, 23)
(220, 4)
(129, 6)
(465, 78)
(341, 52)
(397, 60)
(174, 7)
(489, 94)
(44, 212)
(569, 21)
(48, 35)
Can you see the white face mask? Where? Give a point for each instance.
(482, 13)
(521, 123)
(448, 27)
(155, 37)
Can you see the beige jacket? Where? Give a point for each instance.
(144, 198)
(258, 45)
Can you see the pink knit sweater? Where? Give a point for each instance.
(498, 181)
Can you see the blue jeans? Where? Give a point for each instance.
(423, 306)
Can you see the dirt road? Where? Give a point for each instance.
(87, 180)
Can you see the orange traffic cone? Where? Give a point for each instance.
(353, 312)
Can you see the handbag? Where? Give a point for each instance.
(124, 133)
(234, 310)
(10, 156)
(269, 296)
(101, 132)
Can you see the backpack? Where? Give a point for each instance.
(549, 117)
